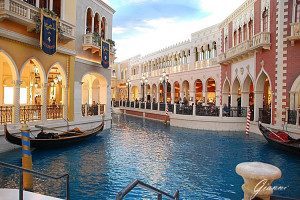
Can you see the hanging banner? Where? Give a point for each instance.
(105, 54)
(48, 37)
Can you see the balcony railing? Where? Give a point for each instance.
(184, 110)
(259, 41)
(91, 41)
(30, 113)
(207, 110)
(6, 113)
(55, 112)
(92, 110)
(206, 63)
(295, 32)
(24, 13)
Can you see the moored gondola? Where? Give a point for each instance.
(52, 140)
(280, 139)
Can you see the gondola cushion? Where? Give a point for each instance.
(279, 136)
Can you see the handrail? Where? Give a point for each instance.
(136, 182)
(21, 170)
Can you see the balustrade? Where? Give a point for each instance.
(170, 108)
(265, 115)
(30, 113)
(235, 112)
(25, 14)
(143, 105)
(292, 117)
(6, 113)
(148, 105)
(54, 111)
(155, 106)
(184, 110)
(162, 106)
(207, 111)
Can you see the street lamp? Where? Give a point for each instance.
(164, 79)
(144, 81)
(128, 84)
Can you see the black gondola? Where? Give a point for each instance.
(56, 140)
(280, 139)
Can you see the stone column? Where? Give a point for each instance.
(258, 178)
(218, 97)
(78, 101)
(234, 97)
(107, 108)
(93, 25)
(192, 95)
(245, 99)
(16, 117)
(172, 94)
(44, 97)
(194, 109)
(51, 5)
(65, 102)
(292, 100)
(175, 108)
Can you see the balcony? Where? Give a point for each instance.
(295, 32)
(206, 63)
(24, 13)
(91, 41)
(246, 48)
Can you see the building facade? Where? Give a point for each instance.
(37, 88)
(248, 61)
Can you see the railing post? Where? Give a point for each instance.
(158, 106)
(140, 105)
(175, 108)
(68, 188)
(159, 196)
(151, 105)
(194, 109)
(21, 186)
(86, 110)
(221, 111)
(134, 104)
(99, 109)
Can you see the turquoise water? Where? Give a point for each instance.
(200, 164)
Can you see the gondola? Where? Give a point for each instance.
(280, 139)
(54, 140)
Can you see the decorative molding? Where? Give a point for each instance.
(30, 41)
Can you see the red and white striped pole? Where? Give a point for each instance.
(248, 121)
(167, 110)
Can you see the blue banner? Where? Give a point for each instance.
(49, 35)
(105, 54)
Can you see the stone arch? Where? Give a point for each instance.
(226, 97)
(295, 94)
(176, 89)
(211, 91)
(263, 98)
(236, 93)
(88, 20)
(186, 90)
(11, 63)
(154, 93)
(39, 65)
(198, 85)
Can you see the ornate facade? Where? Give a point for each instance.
(249, 60)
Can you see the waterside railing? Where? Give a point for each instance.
(158, 192)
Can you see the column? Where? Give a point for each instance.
(218, 97)
(292, 100)
(192, 96)
(245, 99)
(234, 97)
(51, 5)
(44, 90)
(62, 9)
(78, 101)
(107, 108)
(194, 109)
(16, 117)
(37, 3)
(172, 94)
(93, 19)
(65, 102)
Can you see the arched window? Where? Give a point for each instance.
(298, 12)
(45, 4)
(240, 35)
(265, 21)
(208, 52)
(250, 26)
(103, 27)
(226, 44)
(234, 38)
(89, 21)
(56, 7)
(214, 50)
(96, 23)
(244, 32)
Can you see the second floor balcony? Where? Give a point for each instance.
(25, 14)
(295, 32)
(91, 41)
(259, 41)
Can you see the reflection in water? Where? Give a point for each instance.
(201, 164)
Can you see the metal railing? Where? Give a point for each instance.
(162, 106)
(135, 183)
(6, 113)
(30, 113)
(55, 111)
(21, 170)
(235, 112)
(184, 110)
(292, 117)
(265, 115)
(207, 110)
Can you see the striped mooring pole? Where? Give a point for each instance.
(248, 121)
(26, 157)
(167, 113)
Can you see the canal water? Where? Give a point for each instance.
(200, 164)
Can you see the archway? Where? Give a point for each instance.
(161, 92)
(31, 91)
(169, 90)
(135, 93)
(248, 95)
(89, 16)
(154, 93)
(56, 93)
(94, 94)
(211, 91)
(96, 23)
(263, 99)
(199, 91)
(186, 91)
(294, 103)
(226, 97)
(148, 92)
(8, 77)
(236, 93)
(176, 92)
